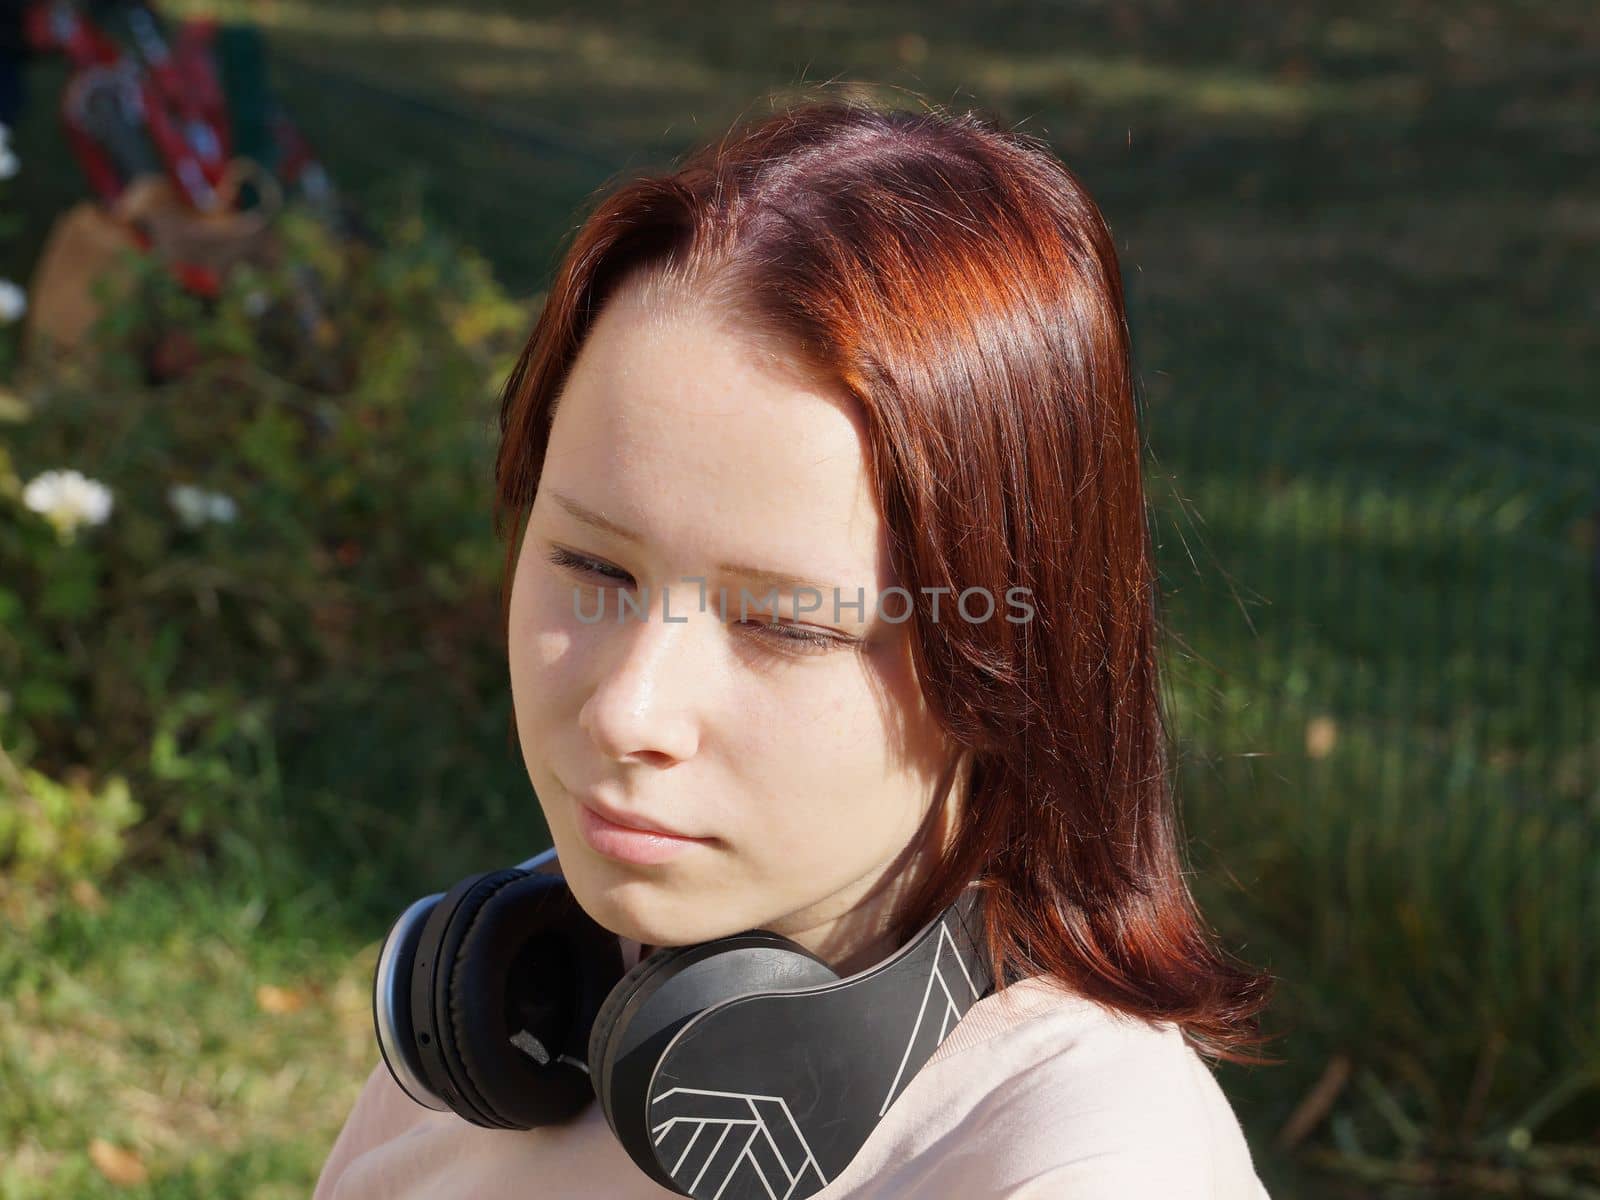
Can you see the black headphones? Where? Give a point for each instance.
(724, 1068)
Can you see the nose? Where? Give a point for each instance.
(639, 710)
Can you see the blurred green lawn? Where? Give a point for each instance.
(1360, 242)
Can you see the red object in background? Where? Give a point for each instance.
(54, 25)
(140, 103)
(179, 110)
(182, 101)
(158, 107)
(196, 174)
(102, 172)
(202, 281)
(194, 65)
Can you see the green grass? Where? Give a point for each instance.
(1359, 243)
(140, 1025)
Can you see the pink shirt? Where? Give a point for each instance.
(1036, 1094)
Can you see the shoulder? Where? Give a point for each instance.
(381, 1113)
(1080, 1102)
(1112, 1106)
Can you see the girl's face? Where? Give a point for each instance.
(810, 768)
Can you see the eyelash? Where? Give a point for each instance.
(803, 641)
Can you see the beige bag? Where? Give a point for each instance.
(87, 241)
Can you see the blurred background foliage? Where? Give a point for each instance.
(1359, 243)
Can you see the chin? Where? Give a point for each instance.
(628, 904)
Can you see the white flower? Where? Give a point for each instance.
(67, 499)
(9, 165)
(13, 302)
(195, 506)
(189, 501)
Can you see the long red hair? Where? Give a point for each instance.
(958, 280)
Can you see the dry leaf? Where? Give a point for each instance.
(911, 47)
(275, 999)
(121, 1167)
(1321, 735)
(87, 896)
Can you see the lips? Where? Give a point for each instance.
(629, 820)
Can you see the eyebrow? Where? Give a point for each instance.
(781, 580)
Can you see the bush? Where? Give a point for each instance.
(235, 510)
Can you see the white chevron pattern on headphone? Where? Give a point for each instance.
(760, 1114)
(936, 975)
(742, 1110)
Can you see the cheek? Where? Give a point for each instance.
(544, 624)
(542, 640)
(817, 750)
(869, 756)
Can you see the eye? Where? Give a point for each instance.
(782, 636)
(798, 638)
(562, 557)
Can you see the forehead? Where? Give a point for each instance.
(675, 425)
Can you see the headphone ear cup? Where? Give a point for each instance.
(606, 1021)
(666, 992)
(392, 982)
(501, 950)
(528, 977)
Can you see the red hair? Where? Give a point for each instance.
(958, 280)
